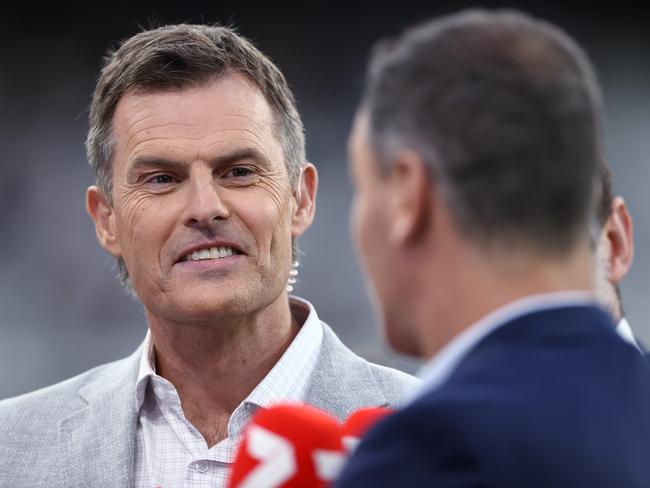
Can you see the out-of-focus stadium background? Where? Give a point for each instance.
(61, 309)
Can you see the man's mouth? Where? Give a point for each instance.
(210, 253)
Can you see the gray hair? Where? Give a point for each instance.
(506, 111)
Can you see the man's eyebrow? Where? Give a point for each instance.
(147, 161)
(236, 155)
(140, 162)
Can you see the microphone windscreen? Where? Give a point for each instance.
(288, 446)
(359, 422)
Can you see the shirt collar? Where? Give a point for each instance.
(146, 370)
(441, 365)
(287, 380)
(625, 331)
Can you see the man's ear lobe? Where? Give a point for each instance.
(101, 211)
(619, 233)
(410, 198)
(304, 200)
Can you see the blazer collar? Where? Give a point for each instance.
(103, 429)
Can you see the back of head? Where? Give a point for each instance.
(505, 110)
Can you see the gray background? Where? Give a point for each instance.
(61, 309)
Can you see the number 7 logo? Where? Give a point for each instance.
(277, 461)
(276, 456)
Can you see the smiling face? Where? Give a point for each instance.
(203, 212)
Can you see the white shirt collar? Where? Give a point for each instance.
(625, 331)
(287, 380)
(146, 370)
(440, 366)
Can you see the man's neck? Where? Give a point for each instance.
(214, 367)
(476, 286)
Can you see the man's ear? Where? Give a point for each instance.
(101, 211)
(618, 235)
(304, 198)
(410, 198)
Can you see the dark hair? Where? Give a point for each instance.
(605, 195)
(603, 211)
(180, 56)
(505, 109)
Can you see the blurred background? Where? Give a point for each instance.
(61, 309)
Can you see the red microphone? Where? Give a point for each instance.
(359, 422)
(289, 446)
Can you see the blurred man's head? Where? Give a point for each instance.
(479, 131)
(614, 247)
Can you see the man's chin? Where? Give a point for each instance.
(198, 306)
(198, 302)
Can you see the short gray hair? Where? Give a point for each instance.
(506, 111)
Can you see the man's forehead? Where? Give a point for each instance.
(360, 140)
(359, 132)
(230, 109)
(231, 96)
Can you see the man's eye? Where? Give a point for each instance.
(240, 172)
(161, 179)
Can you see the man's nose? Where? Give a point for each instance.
(205, 204)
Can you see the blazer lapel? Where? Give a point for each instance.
(99, 439)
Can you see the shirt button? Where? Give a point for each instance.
(201, 466)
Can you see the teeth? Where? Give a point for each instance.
(210, 253)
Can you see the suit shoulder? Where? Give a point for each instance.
(54, 401)
(396, 385)
(343, 382)
(431, 446)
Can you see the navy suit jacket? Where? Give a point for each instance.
(554, 398)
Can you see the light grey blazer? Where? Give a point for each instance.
(81, 432)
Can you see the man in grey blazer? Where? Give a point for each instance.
(202, 190)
